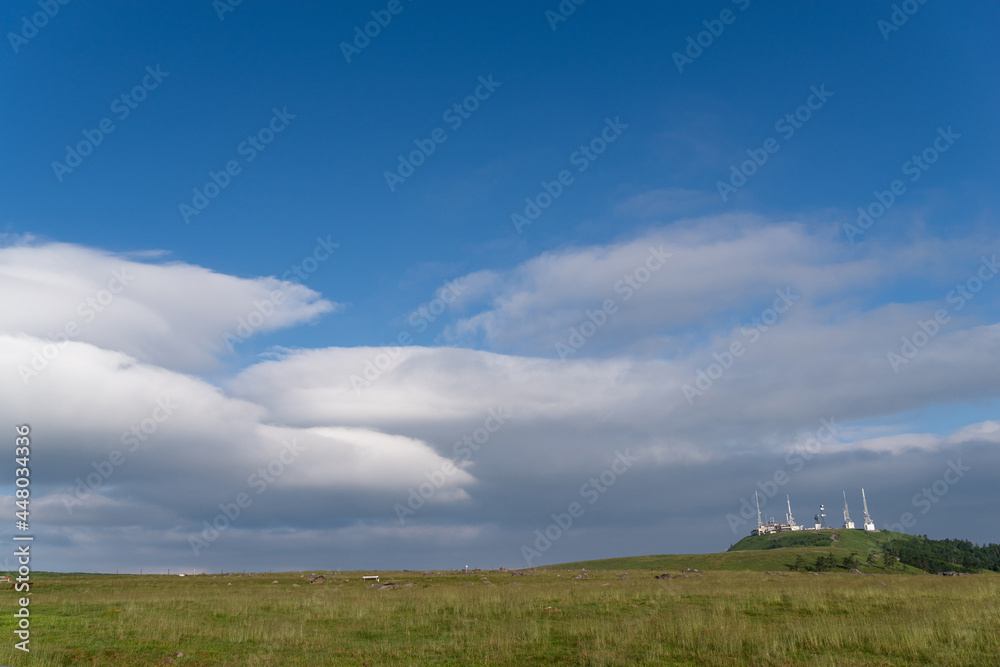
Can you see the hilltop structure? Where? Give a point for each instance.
(820, 519)
(789, 524)
(775, 526)
(791, 519)
(869, 524)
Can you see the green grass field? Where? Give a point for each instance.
(762, 553)
(723, 617)
(845, 540)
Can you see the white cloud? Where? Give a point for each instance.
(717, 267)
(172, 314)
(363, 447)
(176, 442)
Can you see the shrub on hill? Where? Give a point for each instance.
(783, 540)
(945, 555)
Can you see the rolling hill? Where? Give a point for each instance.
(780, 552)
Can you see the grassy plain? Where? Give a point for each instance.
(724, 617)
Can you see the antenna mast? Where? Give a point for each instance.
(759, 524)
(847, 515)
(791, 519)
(869, 524)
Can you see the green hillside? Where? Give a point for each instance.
(917, 551)
(762, 560)
(852, 540)
(799, 550)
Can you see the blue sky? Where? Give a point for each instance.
(887, 95)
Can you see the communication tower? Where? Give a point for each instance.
(759, 524)
(821, 518)
(789, 517)
(869, 524)
(847, 515)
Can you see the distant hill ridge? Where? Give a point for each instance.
(834, 549)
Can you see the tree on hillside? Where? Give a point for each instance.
(942, 555)
(824, 563)
(851, 562)
(872, 561)
(800, 563)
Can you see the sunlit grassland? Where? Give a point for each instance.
(778, 560)
(722, 617)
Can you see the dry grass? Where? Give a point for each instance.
(722, 618)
